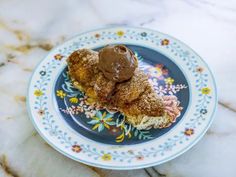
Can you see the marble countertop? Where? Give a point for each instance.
(29, 29)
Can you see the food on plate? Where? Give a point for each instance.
(117, 63)
(111, 78)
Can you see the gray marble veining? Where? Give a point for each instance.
(29, 29)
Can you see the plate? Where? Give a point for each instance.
(99, 137)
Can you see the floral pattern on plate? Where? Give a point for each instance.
(112, 123)
(193, 125)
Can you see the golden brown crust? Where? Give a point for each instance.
(103, 87)
(135, 98)
(148, 104)
(129, 91)
(83, 66)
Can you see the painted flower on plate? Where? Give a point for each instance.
(76, 148)
(74, 100)
(97, 35)
(58, 57)
(139, 157)
(157, 72)
(102, 120)
(42, 73)
(38, 93)
(120, 33)
(169, 80)
(61, 94)
(203, 111)
(41, 112)
(189, 131)
(206, 91)
(165, 42)
(106, 157)
(143, 34)
(199, 69)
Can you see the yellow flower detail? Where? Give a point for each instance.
(89, 101)
(120, 138)
(165, 42)
(58, 57)
(169, 80)
(61, 94)
(120, 33)
(106, 157)
(206, 90)
(38, 93)
(97, 35)
(74, 100)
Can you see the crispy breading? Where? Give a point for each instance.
(147, 104)
(135, 98)
(131, 90)
(82, 66)
(103, 87)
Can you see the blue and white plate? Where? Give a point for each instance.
(98, 137)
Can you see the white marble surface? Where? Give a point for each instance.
(28, 29)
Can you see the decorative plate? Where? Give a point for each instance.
(98, 137)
